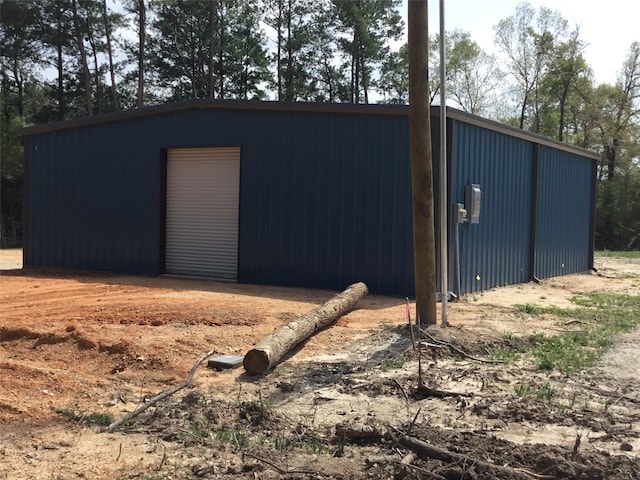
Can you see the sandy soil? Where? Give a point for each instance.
(78, 342)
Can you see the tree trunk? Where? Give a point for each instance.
(563, 101)
(365, 80)
(523, 111)
(83, 57)
(272, 348)
(17, 73)
(142, 26)
(279, 49)
(211, 55)
(60, 92)
(107, 29)
(424, 243)
(221, 40)
(289, 96)
(354, 70)
(610, 154)
(96, 70)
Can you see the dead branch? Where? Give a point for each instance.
(434, 392)
(162, 395)
(413, 422)
(464, 373)
(426, 473)
(606, 393)
(379, 459)
(424, 450)
(457, 350)
(359, 432)
(404, 462)
(280, 470)
(576, 445)
(571, 322)
(406, 397)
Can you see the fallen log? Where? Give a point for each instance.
(425, 450)
(272, 348)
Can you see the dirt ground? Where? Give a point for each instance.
(77, 348)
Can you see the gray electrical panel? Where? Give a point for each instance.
(458, 213)
(472, 202)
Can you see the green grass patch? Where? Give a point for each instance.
(512, 350)
(93, 418)
(596, 321)
(523, 390)
(546, 392)
(238, 439)
(618, 254)
(391, 364)
(537, 310)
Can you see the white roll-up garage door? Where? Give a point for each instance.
(203, 186)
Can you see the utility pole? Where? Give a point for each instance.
(424, 245)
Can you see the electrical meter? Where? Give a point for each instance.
(472, 202)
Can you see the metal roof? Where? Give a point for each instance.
(340, 108)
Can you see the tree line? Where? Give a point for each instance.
(63, 59)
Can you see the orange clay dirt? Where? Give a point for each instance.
(80, 342)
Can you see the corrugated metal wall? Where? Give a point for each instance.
(324, 196)
(325, 202)
(563, 227)
(496, 251)
(92, 196)
(537, 209)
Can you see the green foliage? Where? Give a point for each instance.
(100, 419)
(238, 439)
(282, 443)
(294, 56)
(600, 317)
(205, 49)
(546, 392)
(315, 444)
(618, 204)
(391, 364)
(366, 28)
(618, 253)
(523, 390)
(10, 182)
(528, 308)
(538, 310)
(472, 75)
(527, 39)
(394, 81)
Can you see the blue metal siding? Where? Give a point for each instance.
(496, 251)
(91, 202)
(324, 202)
(563, 227)
(324, 198)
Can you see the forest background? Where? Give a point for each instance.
(63, 59)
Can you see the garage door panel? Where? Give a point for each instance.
(202, 212)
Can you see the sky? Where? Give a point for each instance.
(607, 27)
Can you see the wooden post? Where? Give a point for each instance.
(424, 245)
(272, 348)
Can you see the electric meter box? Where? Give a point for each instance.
(458, 213)
(472, 202)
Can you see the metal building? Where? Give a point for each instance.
(308, 195)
